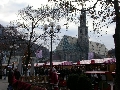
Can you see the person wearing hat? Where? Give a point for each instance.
(10, 78)
(55, 79)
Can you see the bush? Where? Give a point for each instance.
(72, 81)
(79, 82)
(84, 83)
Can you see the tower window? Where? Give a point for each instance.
(81, 31)
(86, 32)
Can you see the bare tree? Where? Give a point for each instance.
(27, 25)
(30, 26)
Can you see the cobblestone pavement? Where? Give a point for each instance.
(3, 84)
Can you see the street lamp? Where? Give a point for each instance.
(51, 32)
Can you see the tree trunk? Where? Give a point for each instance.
(29, 49)
(0, 68)
(117, 78)
(10, 56)
(27, 59)
(1, 59)
(117, 45)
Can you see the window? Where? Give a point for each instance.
(86, 33)
(81, 31)
(0, 31)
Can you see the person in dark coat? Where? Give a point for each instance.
(17, 74)
(10, 78)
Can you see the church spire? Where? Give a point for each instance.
(83, 34)
(83, 17)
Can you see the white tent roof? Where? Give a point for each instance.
(54, 63)
(70, 63)
(37, 64)
(96, 61)
(61, 63)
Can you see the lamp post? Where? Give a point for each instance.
(51, 32)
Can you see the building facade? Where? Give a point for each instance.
(74, 49)
(71, 48)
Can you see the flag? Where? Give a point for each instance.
(39, 53)
(90, 55)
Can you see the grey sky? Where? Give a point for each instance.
(9, 9)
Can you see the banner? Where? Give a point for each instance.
(90, 55)
(39, 54)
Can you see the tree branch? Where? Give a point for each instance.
(86, 9)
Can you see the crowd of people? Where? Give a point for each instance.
(63, 72)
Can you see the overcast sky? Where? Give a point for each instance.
(9, 10)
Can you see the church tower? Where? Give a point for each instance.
(83, 40)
